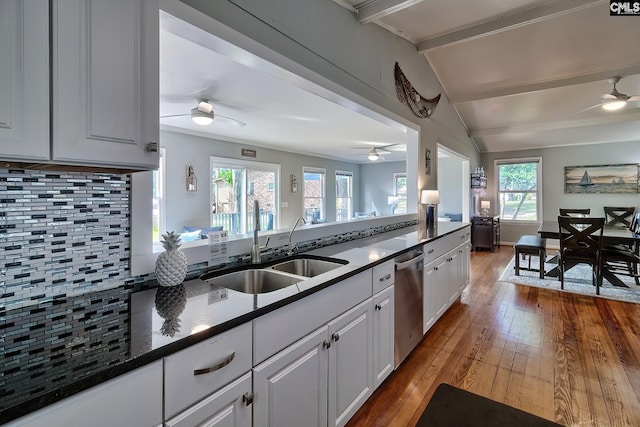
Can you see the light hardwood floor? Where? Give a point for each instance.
(564, 357)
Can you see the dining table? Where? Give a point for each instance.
(610, 236)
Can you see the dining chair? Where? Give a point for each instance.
(619, 216)
(580, 243)
(575, 212)
(621, 259)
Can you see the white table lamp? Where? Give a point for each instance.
(485, 205)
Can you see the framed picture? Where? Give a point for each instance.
(621, 178)
(427, 162)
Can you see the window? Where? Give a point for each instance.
(313, 194)
(235, 186)
(344, 195)
(400, 191)
(159, 210)
(519, 186)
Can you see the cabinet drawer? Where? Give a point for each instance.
(276, 330)
(433, 250)
(201, 369)
(383, 276)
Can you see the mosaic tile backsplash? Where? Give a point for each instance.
(61, 233)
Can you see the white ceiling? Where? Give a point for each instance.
(523, 73)
(277, 113)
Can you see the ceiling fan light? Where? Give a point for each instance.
(201, 118)
(373, 155)
(613, 105)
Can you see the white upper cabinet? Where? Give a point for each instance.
(24, 80)
(105, 83)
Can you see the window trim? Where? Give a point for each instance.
(323, 171)
(539, 194)
(350, 212)
(217, 161)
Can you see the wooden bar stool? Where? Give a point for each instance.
(531, 245)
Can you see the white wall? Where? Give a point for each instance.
(449, 185)
(553, 197)
(376, 184)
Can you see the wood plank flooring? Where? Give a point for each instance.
(568, 358)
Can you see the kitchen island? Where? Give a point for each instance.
(70, 346)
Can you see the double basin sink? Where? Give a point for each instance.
(259, 280)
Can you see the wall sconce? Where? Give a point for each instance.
(485, 205)
(430, 198)
(294, 184)
(192, 181)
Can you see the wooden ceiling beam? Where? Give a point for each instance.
(564, 124)
(549, 84)
(377, 9)
(504, 23)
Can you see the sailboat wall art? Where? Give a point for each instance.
(622, 178)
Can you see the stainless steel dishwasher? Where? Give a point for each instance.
(408, 292)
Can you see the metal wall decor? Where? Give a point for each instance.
(594, 179)
(419, 105)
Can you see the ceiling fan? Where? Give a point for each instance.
(616, 100)
(376, 153)
(202, 114)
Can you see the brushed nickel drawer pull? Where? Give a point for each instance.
(387, 277)
(215, 367)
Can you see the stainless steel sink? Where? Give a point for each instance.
(254, 281)
(308, 267)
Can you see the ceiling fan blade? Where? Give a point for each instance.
(174, 115)
(231, 120)
(587, 109)
(609, 96)
(634, 98)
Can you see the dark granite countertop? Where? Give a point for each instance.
(55, 349)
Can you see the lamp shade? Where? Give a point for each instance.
(485, 204)
(430, 197)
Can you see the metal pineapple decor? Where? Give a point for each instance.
(171, 265)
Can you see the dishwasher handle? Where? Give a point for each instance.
(409, 263)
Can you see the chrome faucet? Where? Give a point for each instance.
(294, 247)
(256, 249)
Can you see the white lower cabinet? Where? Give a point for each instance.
(290, 388)
(383, 330)
(209, 383)
(445, 276)
(132, 399)
(350, 362)
(325, 377)
(228, 407)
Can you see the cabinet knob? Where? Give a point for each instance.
(378, 307)
(335, 337)
(326, 344)
(152, 147)
(247, 398)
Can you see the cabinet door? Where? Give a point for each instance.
(383, 327)
(24, 80)
(132, 399)
(105, 82)
(350, 362)
(440, 283)
(227, 407)
(464, 264)
(430, 304)
(290, 387)
(455, 277)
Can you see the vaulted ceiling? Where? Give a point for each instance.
(523, 73)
